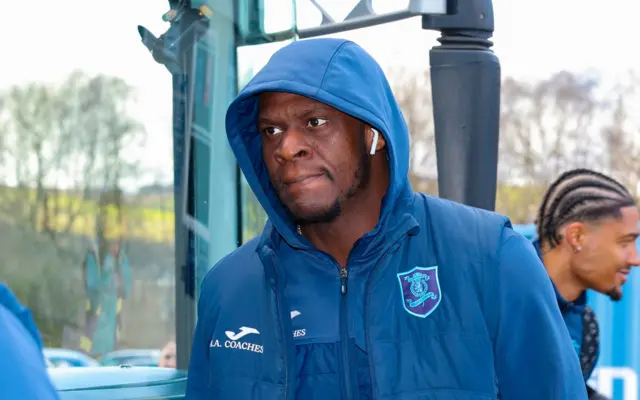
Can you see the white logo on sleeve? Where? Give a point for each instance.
(295, 313)
(235, 343)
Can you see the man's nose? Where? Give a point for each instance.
(293, 145)
(634, 260)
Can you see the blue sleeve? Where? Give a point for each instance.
(534, 355)
(198, 377)
(11, 304)
(23, 371)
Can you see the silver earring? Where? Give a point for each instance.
(578, 249)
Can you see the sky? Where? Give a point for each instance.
(44, 40)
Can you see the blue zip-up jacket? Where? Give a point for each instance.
(581, 323)
(23, 372)
(442, 301)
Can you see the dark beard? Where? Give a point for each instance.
(615, 294)
(361, 179)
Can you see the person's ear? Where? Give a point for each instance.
(375, 140)
(574, 234)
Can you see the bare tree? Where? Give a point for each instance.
(412, 91)
(63, 153)
(622, 134)
(66, 142)
(548, 126)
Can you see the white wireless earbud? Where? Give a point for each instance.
(374, 144)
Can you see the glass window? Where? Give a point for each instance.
(253, 215)
(86, 177)
(118, 189)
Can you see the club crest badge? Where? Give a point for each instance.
(420, 289)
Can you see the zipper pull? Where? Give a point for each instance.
(344, 277)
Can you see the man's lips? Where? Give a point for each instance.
(300, 179)
(623, 275)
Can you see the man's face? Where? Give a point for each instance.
(316, 156)
(608, 253)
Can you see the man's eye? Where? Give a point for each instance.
(316, 122)
(272, 130)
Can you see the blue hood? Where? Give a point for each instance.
(335, 72)
(9, 301)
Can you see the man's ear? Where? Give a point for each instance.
(574, 234)
(375, 140)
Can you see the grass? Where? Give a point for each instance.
(149, 218)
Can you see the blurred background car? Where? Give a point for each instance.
(132, 357)
(59, 358)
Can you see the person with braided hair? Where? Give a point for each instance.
(587, 226)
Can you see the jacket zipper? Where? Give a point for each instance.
(282, 330)
(366, 313)
(344, 331)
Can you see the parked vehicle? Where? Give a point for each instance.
(132, 357)
(57, 358)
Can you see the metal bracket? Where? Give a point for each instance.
(474, 15)
(363, 15)
(187, 26)
(468, 24)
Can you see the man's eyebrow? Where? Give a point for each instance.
(312, 109)
(265, 121)
(302, 113)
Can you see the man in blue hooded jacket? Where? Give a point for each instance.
(23, 372)
(359, 288)
(587, 228)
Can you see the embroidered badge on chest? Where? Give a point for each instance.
(420, 289)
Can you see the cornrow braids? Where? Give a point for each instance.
(579, 195)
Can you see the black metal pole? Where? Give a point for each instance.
(465, 81)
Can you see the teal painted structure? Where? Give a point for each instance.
(108, 383)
